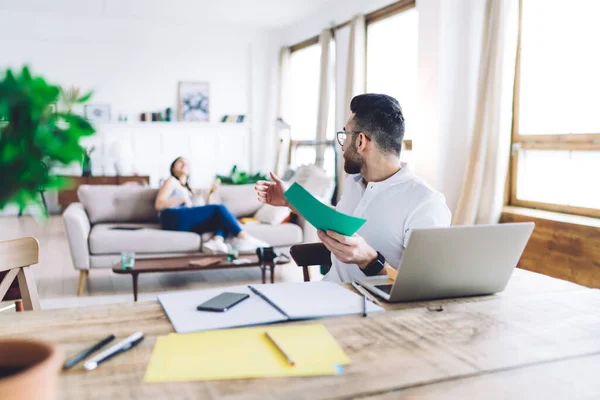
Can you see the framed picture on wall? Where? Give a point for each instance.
(97, 112)
(193, 101)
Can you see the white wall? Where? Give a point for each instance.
(134, 65)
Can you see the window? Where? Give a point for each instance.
(304, 102)
(304, 89)
(556, 129)
(392, 61)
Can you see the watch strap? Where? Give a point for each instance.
(375, 266)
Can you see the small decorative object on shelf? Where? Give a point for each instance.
(122, 118)
(233, 118)
(86, 165)
(168, 115)
(97, 112)
(156, 116)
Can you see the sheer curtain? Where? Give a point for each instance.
(482, 193)
(325, 85)
(282, 130)
(355, 71)
(355, 81)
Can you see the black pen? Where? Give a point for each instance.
(364, 305)
(124, 345)
(265, 298)
(87, 352)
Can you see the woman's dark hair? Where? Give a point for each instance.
(380, 116)
(186, 185)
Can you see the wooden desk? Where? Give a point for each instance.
(69, 195)
(538, 339)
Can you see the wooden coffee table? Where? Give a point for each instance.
(182, 264)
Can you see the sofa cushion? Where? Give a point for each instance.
(270, 215)
(111, 203)
(240, 200)
(150, 239)
(315, 180)
(276, 235)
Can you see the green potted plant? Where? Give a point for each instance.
(70, 96)
(34, 138)
(86, 165)
(240, 177)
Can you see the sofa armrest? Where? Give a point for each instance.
(309, 232)
(77, 225)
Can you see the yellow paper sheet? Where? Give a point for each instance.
(245, 353)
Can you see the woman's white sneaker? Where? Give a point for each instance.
(214, 246)
(247, 245)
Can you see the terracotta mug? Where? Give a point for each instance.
(28, 370)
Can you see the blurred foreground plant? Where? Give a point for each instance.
(34, 138)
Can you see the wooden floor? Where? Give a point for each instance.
(57, 279)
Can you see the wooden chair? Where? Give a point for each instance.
(305, 255)
(16, 258)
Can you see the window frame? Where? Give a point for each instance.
(580, 142)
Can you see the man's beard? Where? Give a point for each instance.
(353, 162)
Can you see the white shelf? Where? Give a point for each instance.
(200, 125)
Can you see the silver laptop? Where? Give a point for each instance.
(456, 261)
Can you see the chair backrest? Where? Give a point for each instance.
(305, 255)
(16, 257)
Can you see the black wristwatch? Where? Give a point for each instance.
(375, 266)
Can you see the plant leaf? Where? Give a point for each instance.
(85, 97)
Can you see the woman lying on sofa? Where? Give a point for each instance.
(176, 213)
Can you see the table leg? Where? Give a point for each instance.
(134, 277)
(272, 273)
(263, 269)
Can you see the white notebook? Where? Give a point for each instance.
(279, 302)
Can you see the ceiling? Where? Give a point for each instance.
(262, 14)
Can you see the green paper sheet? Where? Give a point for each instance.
(320, 215)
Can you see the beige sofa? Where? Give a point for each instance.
(94, 244)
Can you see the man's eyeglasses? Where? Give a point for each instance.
(342, 135)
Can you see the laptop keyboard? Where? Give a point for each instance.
(385, 288)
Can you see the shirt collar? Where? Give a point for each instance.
(403, 175)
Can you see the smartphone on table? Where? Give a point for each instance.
(223, 302)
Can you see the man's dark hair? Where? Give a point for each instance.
(380, 116)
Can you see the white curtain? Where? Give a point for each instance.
(282, 130)
(325, 85)
(355, 81)
(482, 193)
(355, 71)
(283, 82)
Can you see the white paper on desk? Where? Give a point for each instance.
(180, 307)
(315, 299)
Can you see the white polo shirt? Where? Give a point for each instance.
(392, 209)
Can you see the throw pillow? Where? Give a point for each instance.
(315, 181)
(272, 215)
